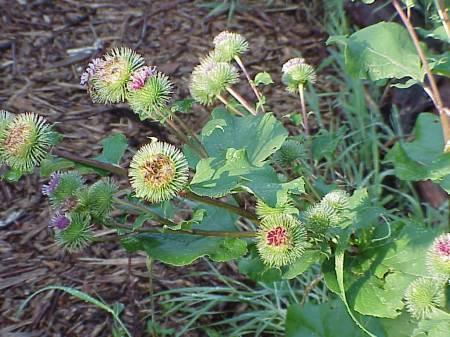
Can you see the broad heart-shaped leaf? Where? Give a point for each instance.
(259, 136)
(382, 51)
(376, 279)
(183, 249)
(238, 149)
(114, 147)
(423, 158)
(438, 325)
(326, 320)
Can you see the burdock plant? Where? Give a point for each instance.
(158, 172)
(281, 240)
(24, 140)
(77, 235)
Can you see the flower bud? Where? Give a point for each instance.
(24, 141)
(423, 296)
(149, 93)
(228, 45)
(77, 235)
(320, 217)
(281, 240)
(210, 79)
(438, 257)
(337, 200)
(289, 152)
(158, 171)
(59, 221)
(296, 72)
(107, 78)
(101, 196)
(62, 189)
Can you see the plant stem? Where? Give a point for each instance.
(209, 201)
(301, 91)
(229, 106)
(181, 136)
(443, 14)
(191, 133)
(435, 94)
(146, 210)
(120, 171)
(242, 100)
(199, 232)
(149, 264)
(252, 84)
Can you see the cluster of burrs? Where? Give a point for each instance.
(283, 237)
(76, 207)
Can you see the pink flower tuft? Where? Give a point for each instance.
(442, 246)
(91, 69)
(140, 76)
(277, 236)
(59, 221)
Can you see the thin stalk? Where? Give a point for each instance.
(443, 14)
(249, 79)
(120, 171)
(199, 232)
(181, 136)
(149, 264)
(242, 100)
(209, 201)
(229, 106)
(435, 94)
(143, 209)
(301, 91)
(191, 133)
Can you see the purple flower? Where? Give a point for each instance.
(48, 189)
(91, 69)
(59, 221)
(140, 76)
(442, 247)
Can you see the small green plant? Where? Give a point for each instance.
(297, 217)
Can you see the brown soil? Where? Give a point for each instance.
(45, 46)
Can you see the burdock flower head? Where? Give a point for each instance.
(25, 141)
(158, 171)
(438, 256)
(229, 45)
(281, 240)
(76, 235)
(149, 93)
(423, 296)
(297, 73)
(210, 79)
(337, 200)
(101, 196)
(107, 78)
(289, 152)
(62, 189)
(320, 217)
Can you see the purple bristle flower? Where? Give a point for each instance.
(59, 221)
(48, 189)
(140, 76)
(91, 69)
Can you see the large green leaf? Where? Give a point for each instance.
(375, 280)
(438, 325)
(326, 320)
(114, 147)
(382, 51)
(423, 158)
(183, 249)
(238, 149)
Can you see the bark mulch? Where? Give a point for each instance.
(44, 47)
